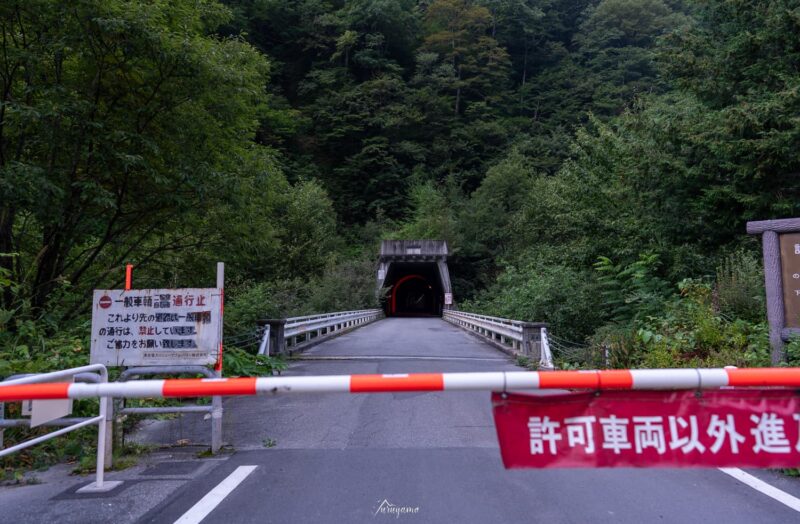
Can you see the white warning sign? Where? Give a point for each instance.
(143, 327)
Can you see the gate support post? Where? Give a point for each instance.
(109, 432)
(216, 421)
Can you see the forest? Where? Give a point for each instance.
(591, 163)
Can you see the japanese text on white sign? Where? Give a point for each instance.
(155, 327)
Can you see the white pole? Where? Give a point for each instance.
(101, 443)
(216, 402)
(546, 360)
(263, 349)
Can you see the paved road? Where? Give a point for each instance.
(337, 458)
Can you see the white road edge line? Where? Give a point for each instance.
(213, 498)
(761, 486)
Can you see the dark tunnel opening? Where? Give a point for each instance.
(414, 289)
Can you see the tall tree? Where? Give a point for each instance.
(117, 119)
(616, 47)
(741, 62)
(457, 33)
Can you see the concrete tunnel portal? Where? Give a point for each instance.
(413, 278)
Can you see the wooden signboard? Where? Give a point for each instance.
(781, 245)
(790, 272)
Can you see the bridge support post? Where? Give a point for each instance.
(529, 348)
(531, 344)
(277, 342)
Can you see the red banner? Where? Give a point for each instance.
(743, 428)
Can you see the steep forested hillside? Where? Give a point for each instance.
(374, 97)
(554, 144)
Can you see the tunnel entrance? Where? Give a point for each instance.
(413, 278)
(415, 295)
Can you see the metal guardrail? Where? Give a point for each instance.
(516, 337)
(96, 373)
(296, 333)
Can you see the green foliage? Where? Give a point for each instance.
(127, 134)
(77, 446)
(688, 333)
(740, 287)
(478, 65)
(616, 45)
(740, 62)
(240, 363)
(563, 297)
(432, 216)
(249, 302)
(102, 113)
(29, 342)
(345, 285)
(793, 352)
(489, 216)
(632, 291)
(310, 229)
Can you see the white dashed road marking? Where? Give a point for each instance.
(213, 498)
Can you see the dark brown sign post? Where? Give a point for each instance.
(781, 244)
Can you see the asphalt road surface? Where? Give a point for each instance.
(401, 457)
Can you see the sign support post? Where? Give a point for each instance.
(781, 248)
(773, 285)
(216, 402)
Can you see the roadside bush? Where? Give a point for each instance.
(565, 298)
(345, 285)
(689, 333)
(793, 352)
(239, 362)
(249, 302)
(631, 291)
(739, 287)
(34, 341)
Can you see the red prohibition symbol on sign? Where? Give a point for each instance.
(105, 302)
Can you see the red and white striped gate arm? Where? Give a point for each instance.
(486, 381)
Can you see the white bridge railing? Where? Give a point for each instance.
(528, 339)
(297, 332)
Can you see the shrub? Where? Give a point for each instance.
(688, 333)
(346, 285)
(565, 298)
(631, 291)
(739, 287)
